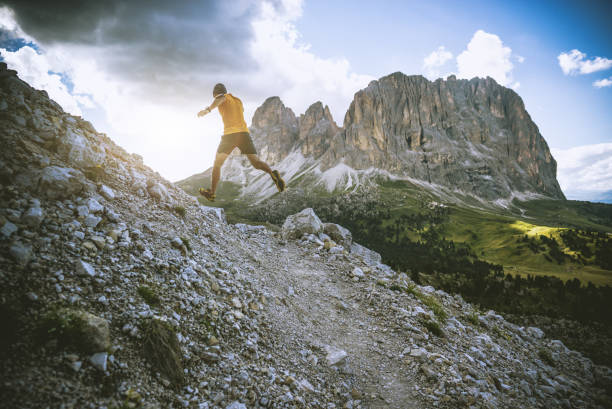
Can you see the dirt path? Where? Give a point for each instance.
(318, 305)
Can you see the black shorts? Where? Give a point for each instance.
(242, 140)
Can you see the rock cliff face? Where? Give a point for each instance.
(474, 136)
(118, 290)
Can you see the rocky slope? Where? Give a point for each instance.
(118, 290)
(473, 137)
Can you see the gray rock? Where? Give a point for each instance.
(177, 243)
(159, 192)
(215, 212)
(19, 120)
(94, 206)
(247, 228)
(419, 353)
(112, 215)
(33, 216)
(21, 253)
(99, 241)
(85, 331)
(8, 229)
(85, 269)
(139, 181)
(236, 405)
(336, 250)
(339, 234)
(56, 182)
(429, 372)
(304, 222)
(107, 192)
(357, 272)
(92, 220)
(335, 356)
(535, 332)
(82, 211)
(525, 388)
(79, 151)
(370, 257)
(99, 360)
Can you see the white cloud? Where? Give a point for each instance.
(289, 69)
(584, 168)
(434, 61)
(34, 68)
(164, 128)
(575, 62)
(604, 82)
(486, 55)
(9, 26)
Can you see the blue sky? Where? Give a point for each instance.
(128, 67)
(382, 37)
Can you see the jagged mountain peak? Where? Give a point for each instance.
(473, 136)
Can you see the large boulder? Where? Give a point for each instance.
(56, 182)
(304, 222)
(162, 350)
(79, 151)
(339, 234)
(77, 329)
(214, 212)
(158, 191)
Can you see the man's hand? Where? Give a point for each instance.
(203, 112)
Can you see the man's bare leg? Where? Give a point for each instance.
(216, 173)
(259, 164)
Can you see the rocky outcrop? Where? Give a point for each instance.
(316, 130)
(474, 135)
(304, 222)
(274, 129)
(277, 131)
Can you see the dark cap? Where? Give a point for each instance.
(219, 89)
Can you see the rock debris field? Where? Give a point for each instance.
(118, 290)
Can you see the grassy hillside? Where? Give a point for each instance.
(516, 244)
(519, 237)
(497, 235)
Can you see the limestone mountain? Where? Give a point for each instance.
(472, 137)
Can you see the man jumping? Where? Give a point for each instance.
(235, 134)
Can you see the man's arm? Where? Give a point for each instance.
(218, 101)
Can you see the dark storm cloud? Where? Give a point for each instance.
(166, 46)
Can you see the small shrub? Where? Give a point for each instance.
(149, 295)
(180, 210)
(501, 333)
(433, 327)
(473, 318)
(546, 356)
(412, 290)
(395, 287)
(185, 241)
